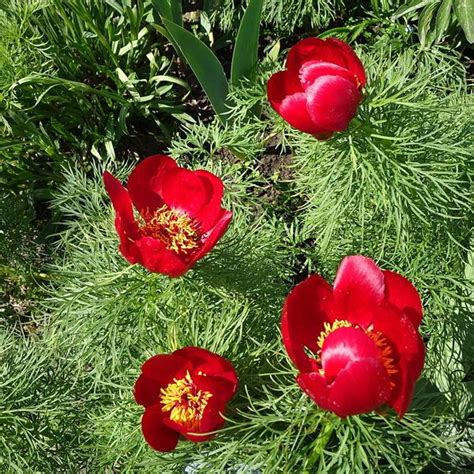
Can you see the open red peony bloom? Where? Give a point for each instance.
(356, 345)
(320, 90)
(184, 393)
(179, 217)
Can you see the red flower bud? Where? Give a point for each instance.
(184, 393)
(178, 217)
(356, 345)
(319, 91)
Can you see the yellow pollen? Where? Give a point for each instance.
(184, 402)
(178, 232)
(330, 327)
(385, 351)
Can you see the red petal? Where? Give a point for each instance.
(213, 236)
(183, 190)
(155, 257)
(403, 295)
(125, 225)
(156, 433)
(332, 102)
(209, 214)
(311, 49)
(306, 308)
(147, 391)
(358, 289)
(220, 387)
(281, 85)
(294, 110)
(212, 419)
(141, 182)
(344, 346)
(209, 363)
(315, 386)
(119, 196)
(360, 388)
(353, 62)
(162, 369)
(409, 354)
(312, 70)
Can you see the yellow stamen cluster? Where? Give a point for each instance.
(330, 327)
(178, 232)
(385, 351)
(184, 402)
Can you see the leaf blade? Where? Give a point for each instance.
(205, 65)
(244, 57)
(465, 14)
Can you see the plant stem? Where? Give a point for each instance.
(321, 441)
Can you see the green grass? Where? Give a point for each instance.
(83, 82)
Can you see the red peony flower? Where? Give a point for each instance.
(179, 216)
(356, 345)
(184, 393)
(320, 90)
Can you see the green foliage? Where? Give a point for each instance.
(104, 82)
(435, 17)
(396, 186)
(244, 58)
(21, 257)
(171, 10)
(283, 15)
(204, 63)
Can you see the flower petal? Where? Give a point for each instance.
(409, 354)
(353, 62)
(332, 102)
(312, 70)
(209, 363)
(403, 295)
(141, 182)
(358, 289)
(146, 391)
(360, 388)
(281, 85)
(307, 307)
(125, 224)
(212, 237)
(162, 369)
(156, 433)
(311, 49)
(294, 110)
(221, 387)
(210, 212)
(155, 257)
(344, 346)
(183, 190)
(119, 196)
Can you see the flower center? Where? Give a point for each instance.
(184, 402)
(176, 230)
(386, 355)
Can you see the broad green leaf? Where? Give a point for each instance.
(425, 32)
(244, 58)
(465, 13)
(411, 7)
(170, 9)
(205, 65)
(442, 18)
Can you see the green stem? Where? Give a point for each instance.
(320, 442)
